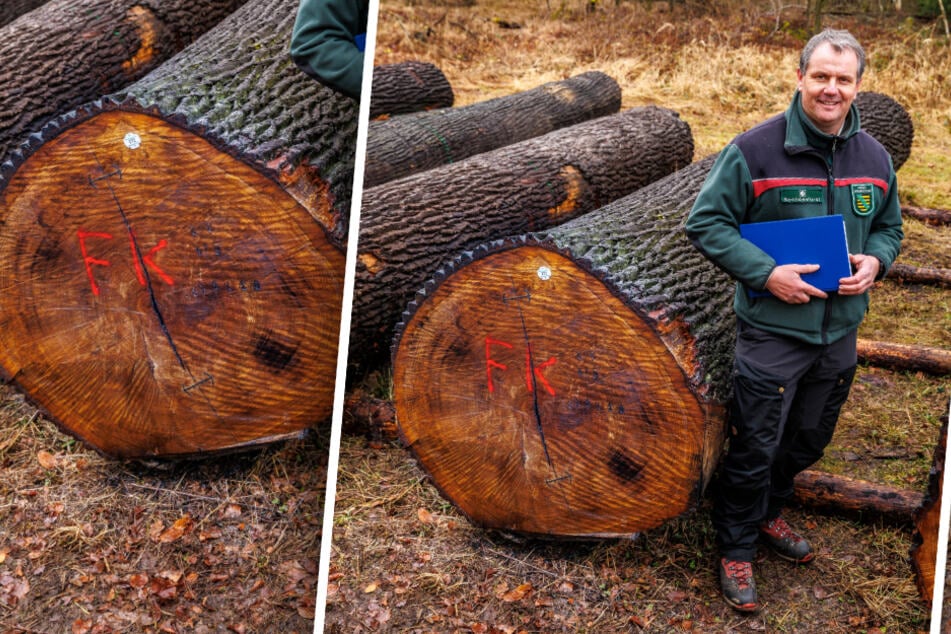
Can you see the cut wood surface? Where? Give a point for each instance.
(170, 281)
(411, 143)
(10, 10)
(936, 217)
(67, 52)
(920, 274)
(844, 495)
(924, 551)
(898, 356)
(408, 86)
(573, 381)
(409, 226)
(889, 122)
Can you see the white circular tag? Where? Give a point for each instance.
(132, 140)
(544, 273)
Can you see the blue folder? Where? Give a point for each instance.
(815, 240)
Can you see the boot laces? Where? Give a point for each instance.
(780, 529)
(740, 571)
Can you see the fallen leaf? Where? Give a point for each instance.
(371, 588)
(517, 594)
(46, 459)
(424, 516)
(176, 530)
(138, 580)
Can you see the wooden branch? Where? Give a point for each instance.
(928, 216)
(842, 494)
(897, 356)
(920, 275)
(68, 52)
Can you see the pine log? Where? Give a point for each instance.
(849, 496)
(889, 122)
(171, 271)
(408, 86)
(10, 10)
(934, 217)
(897, 356)
(66, 53)
(920, 275)
(408, 227)
(411, 143)
(573, 381)
(924, 549)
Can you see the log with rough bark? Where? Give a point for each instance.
(171, 268)
(411, 143)
(66, 53)
(408, 86)
(934, 217)
(924, 550)
(10, 10)
(574, 381)
(889, 122)
(408, 227)
(898, 356)
(920, 274)
(845, 495)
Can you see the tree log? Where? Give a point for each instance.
(889, 122)
(924, 549)
(10, 10)
(843, 494)
(408, 227)
(573, 381)
(170, 270)
(411, 143)
(897, 356)
(934, 217)
(67, 53)
(920, 275)
(408, 86)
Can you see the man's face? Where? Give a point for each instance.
(828, 86)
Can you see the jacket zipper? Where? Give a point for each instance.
(830, 167)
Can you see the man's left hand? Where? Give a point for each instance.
(866, 270)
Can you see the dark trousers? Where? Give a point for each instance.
(787, 395)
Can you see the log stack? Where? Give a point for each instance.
(573, 381)
(171, 257)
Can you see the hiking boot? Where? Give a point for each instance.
(787, 543)
(736, 582)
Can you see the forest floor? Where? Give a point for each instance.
(405, 560)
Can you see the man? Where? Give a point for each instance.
(796, 346)
(328, 41)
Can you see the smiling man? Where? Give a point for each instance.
(796, 344)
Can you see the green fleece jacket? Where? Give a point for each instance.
(327, 42)
(786, 168)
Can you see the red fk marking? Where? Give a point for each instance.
(532, 371)
(88, 260)
(147, 258)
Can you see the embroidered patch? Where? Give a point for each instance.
(863, 200)
(800, 195)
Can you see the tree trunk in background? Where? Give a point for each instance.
(408, 87)
(10, 10)
(171, 270)
(920, 275)
(933, 217)
(573, 382)
(408, 227)
(924, 550)
(843, 494)
(412, 143)
(898, 356)
(67, 53)
(887, 121)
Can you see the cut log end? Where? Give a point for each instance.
(539, 403)
(160, 297)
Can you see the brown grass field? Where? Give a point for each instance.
(404, 560)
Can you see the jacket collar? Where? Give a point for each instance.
(803, 135)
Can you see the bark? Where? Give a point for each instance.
(408, 227)
(924, 550)
(411, 143)
(171, 272)
(10, 10)
(573, 381)
(934, 217)
(897, 356)
(887, 121)
(408, 87)
(66, 53)
(920, 275)
(868, 500)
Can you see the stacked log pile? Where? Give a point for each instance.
(171, 257)
(66, 53)
(411, 143)
(590, 363)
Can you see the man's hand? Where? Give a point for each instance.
(866, 270)
(786, 284)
